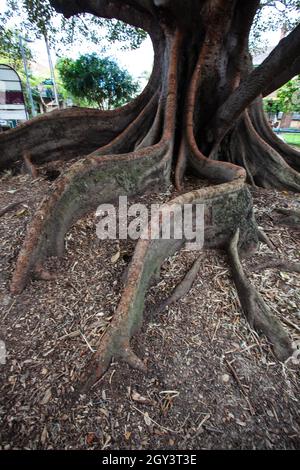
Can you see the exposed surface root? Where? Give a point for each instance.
(74, 132)
(187, 341)
(182, 288)
(265, 239)
(258, 117)
(100, 179)
(290, 217)
(255, 309)
(154, 134)
(29, 167)
(265, 166)
(61, 135)
(280, 264)
(125, 141)
(87, 184)
(226, 205)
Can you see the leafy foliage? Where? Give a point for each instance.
(287, 99)
(10, 50)
(271, 106)
(37, 18)
(97, 81)
(288, 96)
(273, 15)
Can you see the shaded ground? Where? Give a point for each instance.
(212, 382)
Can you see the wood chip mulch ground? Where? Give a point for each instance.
(212, 382)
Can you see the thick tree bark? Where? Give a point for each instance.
(201, 110)
(280, 79)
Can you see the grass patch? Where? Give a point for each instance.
(292, 139)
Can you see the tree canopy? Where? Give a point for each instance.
(97, 81)
(273, 15)
(37, 18)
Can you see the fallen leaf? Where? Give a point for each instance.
(90, 438)
(147, 419)
(46, 397)
(140, 399)
(115, 257)
(44, 435)
(104, 412)
(21, 212)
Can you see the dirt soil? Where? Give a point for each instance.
(212, 382)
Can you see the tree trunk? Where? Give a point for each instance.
(202, 111)
(286, 120)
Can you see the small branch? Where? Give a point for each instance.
(241, 387)
(262, 237)
(280, 264)
(10, 207)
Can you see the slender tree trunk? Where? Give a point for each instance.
(286, 120)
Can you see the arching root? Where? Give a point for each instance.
(75, 132)
(289, 217)
(102, 179)
(254, 307)
(258, 117)
(225, 207)
(88, 183)
(265, 166)
(182, 288)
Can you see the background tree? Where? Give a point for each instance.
(97, 81)
(10, 50)
(288, 98)
(202, 112)
(286, 101)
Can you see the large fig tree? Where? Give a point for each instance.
(201, 112)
